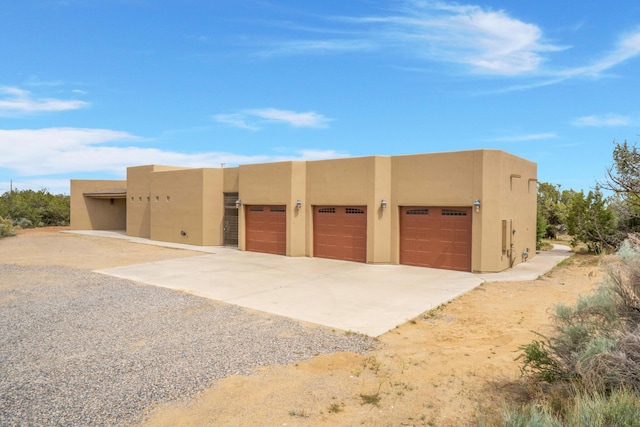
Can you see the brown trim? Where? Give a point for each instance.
(114, 193)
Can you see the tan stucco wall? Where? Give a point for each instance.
(504, 184)
(281, 183)
(97, 213)
(231, 180)
(360, 181)
(509, 194)
(186, 206)
(458, 179)
(139, 198)
(442, 180)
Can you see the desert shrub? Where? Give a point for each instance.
(619, 408)
(595, 350)
(41, 208)
(540, 363)
(530, 416)
(23, 223)
(582, 333)
(6, 228)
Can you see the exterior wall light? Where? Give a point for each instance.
(238, 203)
(383, 204)
(476, 205)
(298, 204)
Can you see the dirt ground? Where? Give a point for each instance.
(446, 368)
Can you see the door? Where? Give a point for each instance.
(230, 222)
(436, 237)
(266, 229)
(340, 232)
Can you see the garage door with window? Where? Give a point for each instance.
(266, 229)
(340, 232)
(436, 237)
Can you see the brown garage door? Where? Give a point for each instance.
(436, 237)
(266, 229)
(340, 232)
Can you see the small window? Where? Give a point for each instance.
(132, 198)
(140, 198)
(256, 208)
(168, 198)
(148, 198)
(453, 212)
(417, 211)
(354, 211)
(278, 209)
(157, 198)
(327, 210)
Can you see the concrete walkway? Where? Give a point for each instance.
(363, 298)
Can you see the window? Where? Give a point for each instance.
(453, 212)
(327, 210)
(417, 211)
(354, 211)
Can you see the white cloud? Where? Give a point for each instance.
(307, 119)
(320, 154)
(526, 137)
(489, 41)
(307, 47)
(627, 47)
(18, 101)
(235, 120)
(56, 151)
(250, 119)
(481, 39)
(602, 121)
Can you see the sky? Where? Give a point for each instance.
(89, 87)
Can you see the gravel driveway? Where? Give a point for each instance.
(80, 348)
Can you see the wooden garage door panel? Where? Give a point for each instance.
(266, 229)
(340, 232)
(436, 237)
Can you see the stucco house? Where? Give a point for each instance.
(468, 210)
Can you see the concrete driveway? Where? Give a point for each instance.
(362, 298)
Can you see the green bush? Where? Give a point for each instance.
(30, 208)
(6, 228)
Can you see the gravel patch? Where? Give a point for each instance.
(81, 348)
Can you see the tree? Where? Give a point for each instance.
(623, 179)
(591, 221)
(552, 206)
(29, 208)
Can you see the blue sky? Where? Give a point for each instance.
(89, 87)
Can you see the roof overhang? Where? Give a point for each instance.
(113, 193)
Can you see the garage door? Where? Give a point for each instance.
(266, 229)
(436, 237)
(340, 232)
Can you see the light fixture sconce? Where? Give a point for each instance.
(238, 203)
(298, 204)
(476, 205)
(383, 204)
